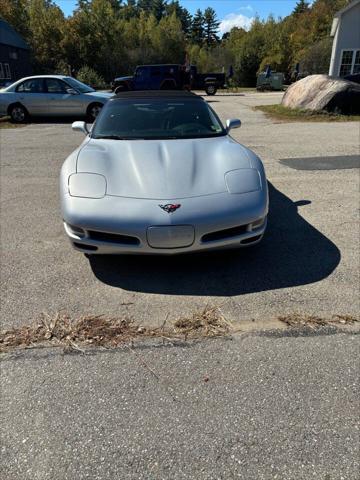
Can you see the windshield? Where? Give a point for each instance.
(157, 119)
(80, 87)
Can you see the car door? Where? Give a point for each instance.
(60, 101)
(155, 78)
(142, 78)
(31, 94)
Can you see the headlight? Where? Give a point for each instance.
(87, 185)
(243, 180)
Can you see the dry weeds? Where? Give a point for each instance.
(75, 334)
(313, 321)
(100, 331)
(209, 322)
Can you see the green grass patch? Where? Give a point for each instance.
(279, 112)
(237, 89)
(6, 123)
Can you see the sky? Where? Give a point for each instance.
(231, 13)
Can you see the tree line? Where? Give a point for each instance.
(107, 38)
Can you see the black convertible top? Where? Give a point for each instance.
(154, 94)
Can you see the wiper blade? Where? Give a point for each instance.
(118, 137)
(109, 137)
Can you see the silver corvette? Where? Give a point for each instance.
(159, 174)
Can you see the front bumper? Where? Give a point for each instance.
(116, 225)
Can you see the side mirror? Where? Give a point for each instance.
(232, 123)
(80, 127)
(72, 91)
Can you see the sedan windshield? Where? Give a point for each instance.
(80, 87)
(157, 119)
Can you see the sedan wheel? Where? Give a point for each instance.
(18, 114)
(94, 111)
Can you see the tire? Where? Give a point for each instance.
(93, 111)
(18, 113)
(121, 88)
(211, 89)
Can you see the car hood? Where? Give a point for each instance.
(163, 169)
(124, 79)
(100, 94)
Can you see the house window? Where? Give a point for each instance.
(346, 62)
(356, 68)
(350, 62)
(1, 72)
(7, 71)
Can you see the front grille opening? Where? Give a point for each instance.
(250, 240)
(85, 247)
(224, 234)
(113, 238)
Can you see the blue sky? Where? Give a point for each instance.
(230, 12)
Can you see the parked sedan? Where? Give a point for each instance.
(50, 95)
(159, 173)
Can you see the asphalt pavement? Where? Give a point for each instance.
(308, 260)
(260, 406)
(268, 404)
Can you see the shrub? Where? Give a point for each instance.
(90, 77)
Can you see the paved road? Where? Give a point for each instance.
(273, 407)
(264, 405)
(307, 261)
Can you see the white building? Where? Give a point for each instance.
(345, 56)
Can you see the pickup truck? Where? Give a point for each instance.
(169, 77)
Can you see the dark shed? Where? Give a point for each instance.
(14, 55)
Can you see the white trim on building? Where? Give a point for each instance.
(345, 30)
(350, 57)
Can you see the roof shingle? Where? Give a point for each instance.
(8, 36)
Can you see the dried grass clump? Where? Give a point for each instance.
(108, 332)
(313, 321)
(209, 322)
(98, 330)
(63, 331)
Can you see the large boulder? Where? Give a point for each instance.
(321, 92)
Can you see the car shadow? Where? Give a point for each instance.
(292, 253)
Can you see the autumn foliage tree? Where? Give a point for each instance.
(110, 37)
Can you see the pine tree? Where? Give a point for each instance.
(211, 26)
(182, 14)
(301, 6)
(116, 4)
(197, 28)
(145, 5)
(158, 9)
(128, 10)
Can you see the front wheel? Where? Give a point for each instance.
(18, 114)
(211, 89)
(93, 111)
(121, 88)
